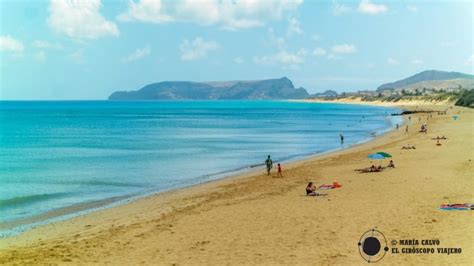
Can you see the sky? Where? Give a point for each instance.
(87, 49)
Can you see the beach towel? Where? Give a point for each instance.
(457, 207)
(331, 186)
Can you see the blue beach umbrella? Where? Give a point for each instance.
(376, 156)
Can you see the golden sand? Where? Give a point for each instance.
(257, 219)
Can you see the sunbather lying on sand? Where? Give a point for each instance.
(438, 138)
(408, 147)
(373, 168)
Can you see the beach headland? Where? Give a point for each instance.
(257, 219)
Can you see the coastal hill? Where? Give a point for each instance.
(431, 79)
(430, 86)
(281, 88)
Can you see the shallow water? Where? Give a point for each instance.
(58, 154)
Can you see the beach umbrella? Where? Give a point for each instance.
(384, 154)
(376, 156)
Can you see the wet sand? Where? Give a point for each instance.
(259, 219)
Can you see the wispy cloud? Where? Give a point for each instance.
(294, 26)
(42, 44)
(196, 49)
(343, 49)
(138, 54)
(40, 56)
(367, 7)
(227, 14)
(10, 44)
(80, 20)
(392, 62)
(285, 58)
(318, 51)
(417, 61)
(238, 60)
(412, 8)
(340, 9)
(470, 60)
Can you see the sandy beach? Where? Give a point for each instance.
(258, 219)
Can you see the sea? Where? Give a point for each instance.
(59, 159)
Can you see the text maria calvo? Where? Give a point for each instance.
(424, 250)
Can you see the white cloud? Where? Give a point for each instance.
(294, 26)
(273, 40)
(196, 49)
(285, 58)
(340, 9)
(80, 19)
(137, 54)
(416, 61)
(226, 13)
(10, 44)
(41, 44)
(367, 7)
(344, 49)
(392, 61)
(319, 51)
(238, 60)
(412, 8)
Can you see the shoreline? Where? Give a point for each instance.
(359, 101)
(17, 227)
(207, 223)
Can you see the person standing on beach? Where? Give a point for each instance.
(342, 138)
(397, 127)
(269, 164)
(406, 129)
(279, 171)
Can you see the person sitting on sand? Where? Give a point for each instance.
(311, 190)
(373, 168)
(438, 143)
(379, 168)
(391, 164)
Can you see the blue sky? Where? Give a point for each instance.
(69, 49)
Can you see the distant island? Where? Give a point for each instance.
(281, 88)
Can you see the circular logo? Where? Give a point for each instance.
(370, 245)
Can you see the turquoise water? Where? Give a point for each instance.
(59, 154)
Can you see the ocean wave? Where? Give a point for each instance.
(22, 200)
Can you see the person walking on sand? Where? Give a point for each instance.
(269, 164)
(342, 138)
(279, 171)
(397, 127)
(406, 129)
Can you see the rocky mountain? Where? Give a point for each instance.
(429, 75)
(325, 94)
(281, 88)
